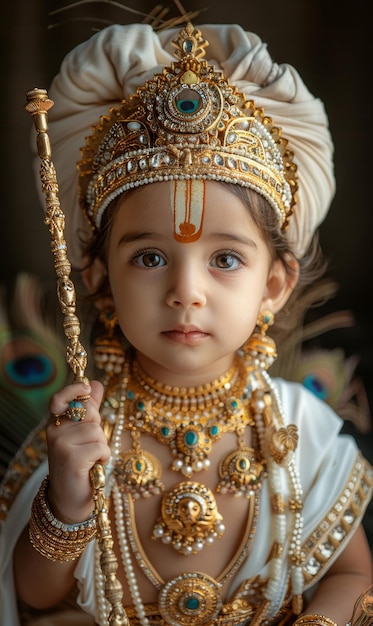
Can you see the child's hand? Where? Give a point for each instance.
(73, 449)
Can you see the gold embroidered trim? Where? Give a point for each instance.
(25, 462)
(323, 545)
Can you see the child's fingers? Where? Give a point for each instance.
(77, 402)
(60, 401)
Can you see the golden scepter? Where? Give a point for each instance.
(363, 610)
(38, 104)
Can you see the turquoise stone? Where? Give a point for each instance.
(191, 438)
(243, 464)
(165, 431)
(192, 604)
(76, 404)
(214, 430)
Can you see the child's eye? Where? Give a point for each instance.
(226, 261)
(149, 259)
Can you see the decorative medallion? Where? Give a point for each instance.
(241, 472)
(190, 599)
(189, 518)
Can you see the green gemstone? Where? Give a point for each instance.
(243, 464)
(191, 438)
(192, 604)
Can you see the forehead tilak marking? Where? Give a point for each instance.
(188, 207)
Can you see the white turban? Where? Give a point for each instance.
(107, 68)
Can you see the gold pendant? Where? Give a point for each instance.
(193, 598)
(241, 472)
(189, 518)
(138, 473)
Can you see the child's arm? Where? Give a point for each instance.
(39, 582)
(73, 449)
(346, 580)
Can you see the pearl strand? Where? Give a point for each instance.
(296, 504)
(295, 555)
(126, 558)
(274, 483)
(280, 531)
(120, 522)
(116, 440)
(274, 480)
(116, 445)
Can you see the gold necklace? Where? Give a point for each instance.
(188, 419)
(277, 443)
(189, 516)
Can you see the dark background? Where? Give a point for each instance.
(328, 42)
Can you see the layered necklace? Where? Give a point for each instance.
(189, 421)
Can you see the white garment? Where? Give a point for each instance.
(324, 458)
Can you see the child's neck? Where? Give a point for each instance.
(185, 377)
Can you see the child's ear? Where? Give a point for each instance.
(280, 284)
(94, 277)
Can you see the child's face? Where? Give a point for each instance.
(187, 307)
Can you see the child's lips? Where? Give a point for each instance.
(187, 335)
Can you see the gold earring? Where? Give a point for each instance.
(260, 350)
(108, 351)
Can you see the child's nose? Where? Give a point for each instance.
(187, 287)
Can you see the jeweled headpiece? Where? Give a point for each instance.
(186, 123)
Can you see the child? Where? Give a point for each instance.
(232, 497)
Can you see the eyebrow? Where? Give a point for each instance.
(136, 236)
(247, 241)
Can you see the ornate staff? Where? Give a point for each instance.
(38, 104)
(363, 610)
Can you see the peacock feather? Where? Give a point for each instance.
(327, 373)
(32, 363)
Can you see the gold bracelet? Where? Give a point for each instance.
(53, 539)
(314, 620)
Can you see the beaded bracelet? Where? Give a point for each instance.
(53, 539)
(314, 620)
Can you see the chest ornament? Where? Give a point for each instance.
(189, 518)
(189, 421)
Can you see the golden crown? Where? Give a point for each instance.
(186, 123)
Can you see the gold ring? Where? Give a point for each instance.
(56, 417)
(76, 411)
